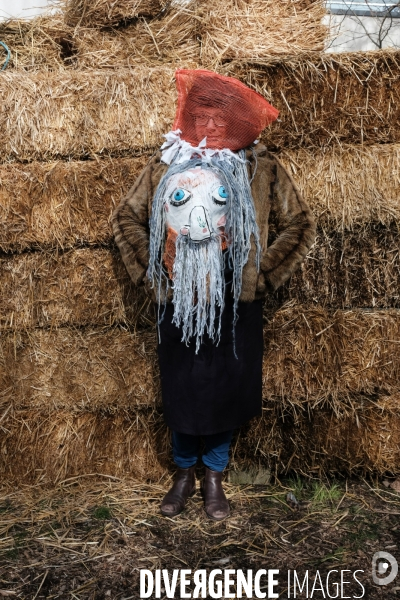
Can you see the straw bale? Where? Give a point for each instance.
(318, 443)
(348, 186)
(48, 447)
(357, 269)
(315, 357)
(77, 288)
(171, 39)
(87, 369)
(41, 43)
(368, 441)
(90, 286)
(62, 204)
(103, 13)
(68, 114)
(327, 99)
(255, 29)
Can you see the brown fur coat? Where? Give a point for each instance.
(286, 224)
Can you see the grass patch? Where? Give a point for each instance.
(102, 513)
(323, 494)
(315, 492)
(337, 556)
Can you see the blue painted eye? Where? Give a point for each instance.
(222, 192)
(220, 195)
(180, 196)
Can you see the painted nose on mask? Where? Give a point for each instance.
(199, 226)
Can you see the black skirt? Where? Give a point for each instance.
(212, 391)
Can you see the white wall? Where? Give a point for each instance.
(22, 9)
(354, 33)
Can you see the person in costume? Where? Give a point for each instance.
(212, 224)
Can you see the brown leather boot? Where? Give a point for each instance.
(184, 486)
(215, 502)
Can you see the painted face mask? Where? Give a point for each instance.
(200, 209)
(196, 204)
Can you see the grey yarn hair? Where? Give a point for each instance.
(198, 285)
(198, 274)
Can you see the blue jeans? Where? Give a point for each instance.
(185, 449)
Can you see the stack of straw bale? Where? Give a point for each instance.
(352, 190)
(85, 103)
(90, 285)
(312, 357)
(102, 34)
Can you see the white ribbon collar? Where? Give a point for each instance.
(177, 150)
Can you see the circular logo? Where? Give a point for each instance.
(381, 563)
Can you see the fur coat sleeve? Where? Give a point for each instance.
(291, 228)
(130, 221)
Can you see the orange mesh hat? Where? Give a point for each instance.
(223, 109)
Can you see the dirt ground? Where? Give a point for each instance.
(88, 537)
